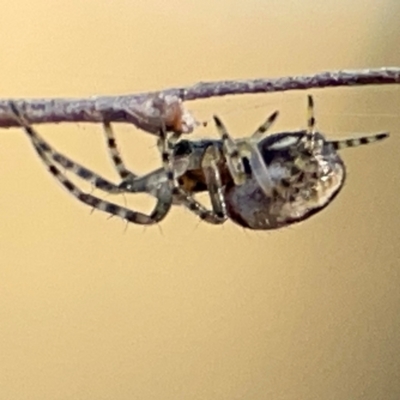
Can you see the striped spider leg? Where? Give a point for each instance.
(237, 152)
(294, 175)
(115, 154)
(211, 177)
(184, 153)
(156, 183)
(260, 182)
(50, 158)
(263, 181)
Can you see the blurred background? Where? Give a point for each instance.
(92, 309)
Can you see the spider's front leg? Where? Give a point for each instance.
(48, 157)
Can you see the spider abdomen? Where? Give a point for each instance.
(298, 186)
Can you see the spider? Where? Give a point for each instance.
(260, 182)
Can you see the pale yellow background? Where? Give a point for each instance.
(189, 310)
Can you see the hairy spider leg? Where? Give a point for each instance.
(161, 209)
(131, 184)
(68, 164)
(131, 181)
(136, 182)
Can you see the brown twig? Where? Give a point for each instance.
(144, 110)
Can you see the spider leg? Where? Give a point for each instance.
(212, 174)
(218, 213)
(358, 141)
(82, 172)
(260, 133)
(131, 182)
(115, 154)
(232, 153)
(310, 116)
(186, 199)
(310, 124)
(152, 183)
(142, 184)
(138, 184)
(310, 144)
(161, 209)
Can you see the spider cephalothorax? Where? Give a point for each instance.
(259, 182)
